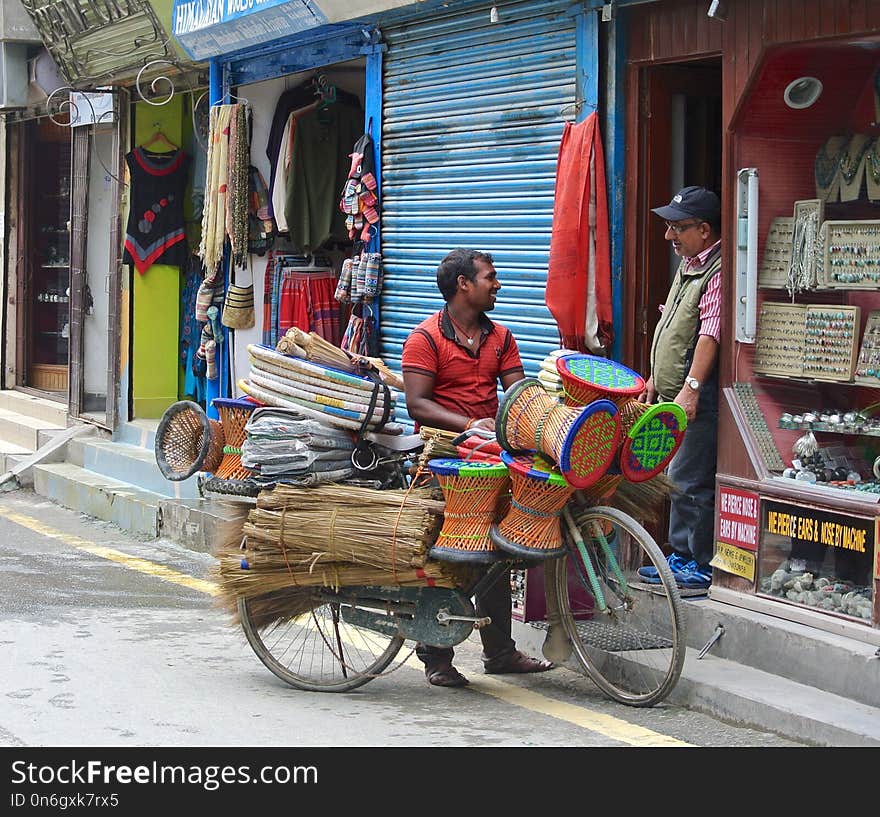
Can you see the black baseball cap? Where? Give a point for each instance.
(692, 202)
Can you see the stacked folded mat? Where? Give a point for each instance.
(342, 400)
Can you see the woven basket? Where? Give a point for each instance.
(583, 441)
(586, 378)
(472, 491)
(187, 441)
(530, 529)
(234, 415)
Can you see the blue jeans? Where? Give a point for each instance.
(692, 470)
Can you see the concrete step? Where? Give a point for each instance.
(26, 431)
(198, 524)
(128, 463)
(840, 664)
(32, 406)
(112, 500)
(749, 697)
(141, 433)
(743, 695)
(11, 454)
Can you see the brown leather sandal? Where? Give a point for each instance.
(515, 662)
(445, 676)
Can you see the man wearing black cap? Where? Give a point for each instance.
(684, 368)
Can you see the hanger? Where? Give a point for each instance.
(159, 136)
(229, 94)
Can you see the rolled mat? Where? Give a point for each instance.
(316, 385)
(319, 413)
(283, 386)
(267, 355)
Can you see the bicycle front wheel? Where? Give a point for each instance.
(634, 649)
(311, 646)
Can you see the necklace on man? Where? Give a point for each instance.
(468, 338)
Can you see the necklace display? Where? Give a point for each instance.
(827, 167)
(872, 167)
(852, 166)
(468, 338)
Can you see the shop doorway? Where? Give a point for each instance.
(679, 133)
(43, 280)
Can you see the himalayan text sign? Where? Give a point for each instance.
(810, 526)
(208, 28)
(738, 518)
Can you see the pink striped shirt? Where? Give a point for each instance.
(710, 303)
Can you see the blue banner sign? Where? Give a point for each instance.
(209, 28)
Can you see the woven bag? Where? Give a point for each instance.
(238, 307)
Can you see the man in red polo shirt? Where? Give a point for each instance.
(452, 363)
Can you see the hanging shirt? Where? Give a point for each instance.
(155, 231)
(319, 167)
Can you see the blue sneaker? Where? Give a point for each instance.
(694, 577)
(676, 563)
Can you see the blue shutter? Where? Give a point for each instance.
(473, 113)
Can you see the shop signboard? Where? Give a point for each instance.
(211, 28)
(738, 518)
(737, 539)
(207, 28)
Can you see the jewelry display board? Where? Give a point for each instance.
(779, 345)
(815, 341)
(831, 338)
(803, 270)
(773, 273)
(868, 362)
(851, 254)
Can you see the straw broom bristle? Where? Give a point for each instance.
(331, 536)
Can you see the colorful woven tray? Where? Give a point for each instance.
(586, 378)
(591, 444)
(652, 441)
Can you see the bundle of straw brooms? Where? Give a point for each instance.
(311, 346)
(297, 539)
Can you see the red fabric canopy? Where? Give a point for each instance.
(578, 291)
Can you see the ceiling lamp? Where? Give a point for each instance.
(802, 92)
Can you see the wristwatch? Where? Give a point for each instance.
(692, 382)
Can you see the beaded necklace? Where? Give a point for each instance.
(849, 165)
(873, 162)
(826, 166)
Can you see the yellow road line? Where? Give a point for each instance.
(132, 562)
(606, 725)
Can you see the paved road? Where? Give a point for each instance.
(110, 641)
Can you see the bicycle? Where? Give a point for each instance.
(625, 634)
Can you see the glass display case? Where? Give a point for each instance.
(49, 284)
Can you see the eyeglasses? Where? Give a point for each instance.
(678, 229)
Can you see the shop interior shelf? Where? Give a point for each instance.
(822, 428)
(54, 266)
(867, 497)
(809, 381)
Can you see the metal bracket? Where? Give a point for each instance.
(713, 639)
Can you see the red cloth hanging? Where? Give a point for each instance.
(578, 292)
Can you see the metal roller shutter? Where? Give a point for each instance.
(473, 116)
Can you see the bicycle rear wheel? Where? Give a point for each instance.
(312, 647)
(634, 651)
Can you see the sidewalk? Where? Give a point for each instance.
(768, 673)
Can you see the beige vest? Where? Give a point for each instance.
(676, 333)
